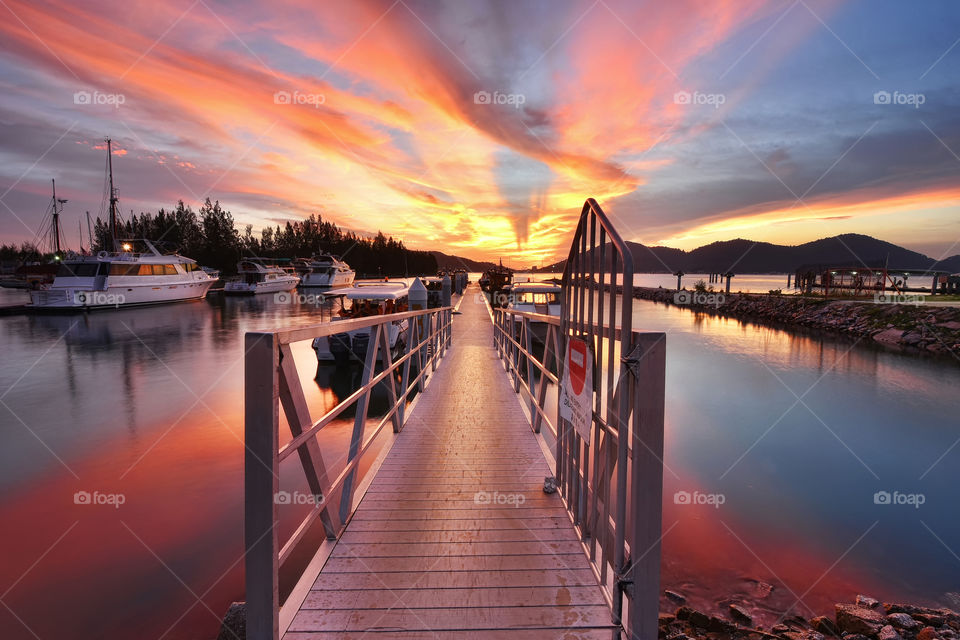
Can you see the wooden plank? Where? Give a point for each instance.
(493, 535)
(457, 563)
(558, 633)
(439, 549)
(454, 598)
(468, 524)
(459, 619)
(456, 579)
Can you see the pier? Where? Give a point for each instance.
(483, 514)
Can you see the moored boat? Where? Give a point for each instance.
(369, 298)
(259, 275)
(325, 271)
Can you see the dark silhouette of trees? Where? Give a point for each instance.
(210, 236)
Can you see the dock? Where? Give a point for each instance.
(455, 537)
(482, 513)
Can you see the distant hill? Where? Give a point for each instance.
(446, 261)
(747, 256)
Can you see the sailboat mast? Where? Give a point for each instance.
(113, 198)
(56, 221)
(89, 232)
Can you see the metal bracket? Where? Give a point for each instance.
(632, 360)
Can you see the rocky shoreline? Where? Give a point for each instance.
(865, 619)
(914, 327)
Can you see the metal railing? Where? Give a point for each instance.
(270, 381)
(612, 481)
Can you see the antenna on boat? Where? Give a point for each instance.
(89, 233)
(113, 197)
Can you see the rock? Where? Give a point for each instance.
(824, 625)
(911, 338)
(855, 636)
(676, 597)
(234, 624)
(928, 633)
(888, 633)
(853, 618)
(902, 621)
(694, 617)
(953, 325)
(888, 336)
(739, 614)
(866, 601)
(780, 628)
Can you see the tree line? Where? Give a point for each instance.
(210, 237)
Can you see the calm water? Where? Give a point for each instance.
(147, 403)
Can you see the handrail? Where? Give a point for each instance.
(611, 482)
(271, 381)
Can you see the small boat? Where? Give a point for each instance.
(533, 297)
(366, 298)
(494, 280)
(259, 275)
(325, 271)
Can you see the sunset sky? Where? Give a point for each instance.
(479, 128)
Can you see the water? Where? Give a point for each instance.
(147, 403)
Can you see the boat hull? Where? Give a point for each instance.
(249, 289)
(119, 295)
(396, 337)
(325, 281)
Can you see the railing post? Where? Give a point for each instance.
(261, 483)
(646, 487)
(359, 422)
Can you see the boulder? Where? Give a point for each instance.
(903, 621)
(888, 633)
(825, 625)
(234, 623)
(853, 618)
(679, 598)
(928, 633)
(739, 614)
(888, 336)
(866, 601)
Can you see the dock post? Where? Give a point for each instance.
(679, 275)
(729, 275)
(933, 287)
(788, 281)
(445, 289)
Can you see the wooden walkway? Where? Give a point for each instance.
(455, 537)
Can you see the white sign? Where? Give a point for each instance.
(576, 387)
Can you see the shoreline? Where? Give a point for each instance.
(864, 619)
(915, 328)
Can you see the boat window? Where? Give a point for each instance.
(169, 270)
(120, 269)
(77, 270)
(539, 298)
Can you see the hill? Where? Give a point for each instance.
(747, 256)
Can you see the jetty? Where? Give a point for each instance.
(478, 509)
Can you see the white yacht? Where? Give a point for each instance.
(257, 275)
(325, 271)
(366, 298)
(123, 278)
(533, 297)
